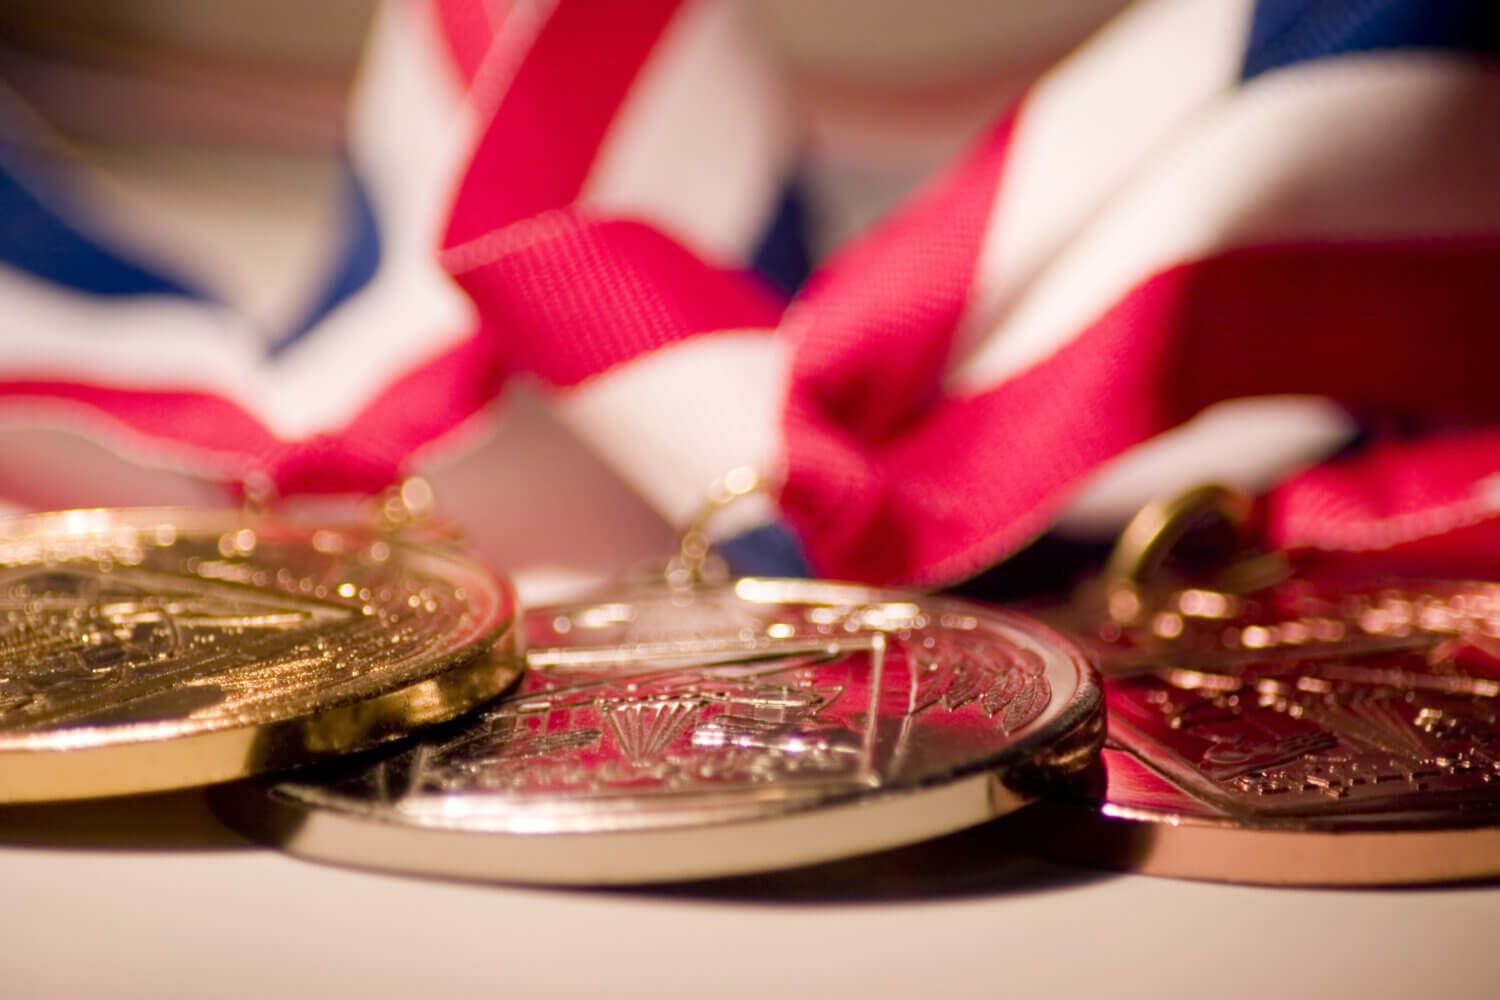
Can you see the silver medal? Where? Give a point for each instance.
(672, 733)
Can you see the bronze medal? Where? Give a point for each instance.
(1325, 732)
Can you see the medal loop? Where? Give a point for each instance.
(1206, 528)
(694, 562)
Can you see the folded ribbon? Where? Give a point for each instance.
(1206, 203)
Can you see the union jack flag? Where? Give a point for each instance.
(1223, 239)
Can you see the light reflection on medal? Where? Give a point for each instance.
(143, 650)
(667, 733)
(1295, 733)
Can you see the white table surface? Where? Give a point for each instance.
(151, 897)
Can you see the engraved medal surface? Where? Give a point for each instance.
(1305, 733)
(689, 734)
(150, 649)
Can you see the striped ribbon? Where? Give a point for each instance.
(1222, 238)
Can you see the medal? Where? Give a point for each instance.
(1301, 730)
(692, 729)
(143, 650)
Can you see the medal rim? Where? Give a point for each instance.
(1176, 845)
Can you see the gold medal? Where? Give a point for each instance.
(143, 650)
(1291, 731)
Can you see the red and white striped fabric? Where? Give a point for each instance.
(1189, 210)
(1145, 235)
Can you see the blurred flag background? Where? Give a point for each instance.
(966, 279)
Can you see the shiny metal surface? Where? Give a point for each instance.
(151, 649)
(665, 735)
(1310, 733)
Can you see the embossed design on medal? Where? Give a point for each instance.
(143, 650)
(1301, 732)
(736, 728)
(1356, 738)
